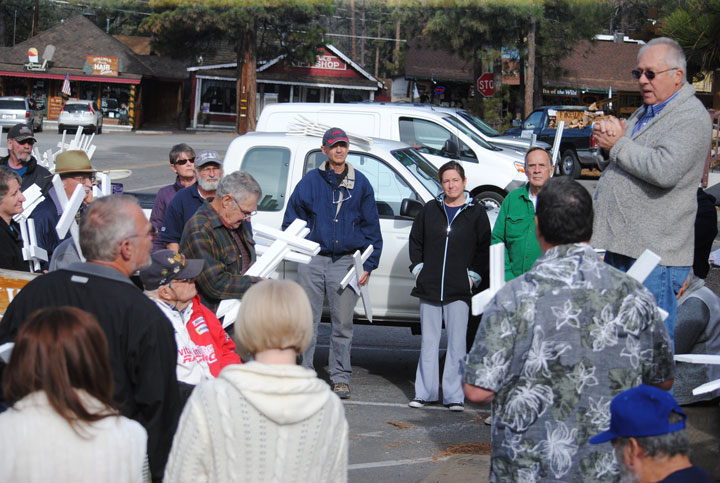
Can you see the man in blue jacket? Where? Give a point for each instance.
(338, 204)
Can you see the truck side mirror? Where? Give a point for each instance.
(451, 149)
(410, 208)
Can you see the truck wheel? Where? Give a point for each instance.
(490, 199)
(569, 164)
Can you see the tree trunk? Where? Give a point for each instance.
(36, 18)
(247, 80)
(396, 52)
(530, 66)
(352, 25)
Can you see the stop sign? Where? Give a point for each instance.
(486, 85)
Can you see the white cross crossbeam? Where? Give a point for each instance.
(31, 252)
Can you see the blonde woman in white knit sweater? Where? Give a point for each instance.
(270, 419)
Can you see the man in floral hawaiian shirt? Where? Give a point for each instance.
(556, 344)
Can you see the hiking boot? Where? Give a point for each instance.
(341, 389)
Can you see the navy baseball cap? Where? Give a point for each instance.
(641, 411)
(334, 135)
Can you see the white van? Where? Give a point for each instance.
(403, 182)
(491, 172)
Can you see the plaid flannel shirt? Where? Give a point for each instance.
(205, 236)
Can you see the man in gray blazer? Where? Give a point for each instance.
(646, 195)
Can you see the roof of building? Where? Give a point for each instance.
(77, 37)
(598, 65)
(139, 45)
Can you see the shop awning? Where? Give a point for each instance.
(87, 78)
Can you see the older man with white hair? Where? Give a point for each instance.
(646, 197)
(220, 234)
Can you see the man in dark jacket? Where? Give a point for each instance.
(338, 204)
(115, 237)
(20, 141)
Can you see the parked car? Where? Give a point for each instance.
(490, 134)
(16, 109)
(492, 172)
(110, 108)
(83, 114)
(403, 180)
(577, 147)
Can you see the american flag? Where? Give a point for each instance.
(66, 85)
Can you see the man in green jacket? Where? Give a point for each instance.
(515, 225)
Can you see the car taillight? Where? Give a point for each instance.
(593, 142)
(62, 110)
(91, 109)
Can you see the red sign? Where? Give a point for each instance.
(486, 84)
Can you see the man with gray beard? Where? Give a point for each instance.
(208, 170)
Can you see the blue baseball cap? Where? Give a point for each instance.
(641, 411)
(333, 136)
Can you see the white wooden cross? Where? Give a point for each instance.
(354, 275)
(70, 208)
(556, 144)
(80, 141)
(497, 279)
(33, 197)
(31, 252)
(288, 245)
(639, 271)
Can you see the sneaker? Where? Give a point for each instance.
(456, 406)
(341, 389)
(417, 403)
(488, 421)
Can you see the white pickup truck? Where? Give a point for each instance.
(403, 182)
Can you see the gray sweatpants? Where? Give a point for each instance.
(321, 277)
(455, 316)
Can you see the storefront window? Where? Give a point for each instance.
(350, 95)
(218, 96)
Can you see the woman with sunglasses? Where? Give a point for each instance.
(449, 249)
(62, 424)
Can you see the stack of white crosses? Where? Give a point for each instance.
(32, 253)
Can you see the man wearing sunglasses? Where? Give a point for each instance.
(20, 141)
(338, 203)
(182, 163)
(646, 197)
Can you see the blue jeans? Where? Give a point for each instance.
(664, 282)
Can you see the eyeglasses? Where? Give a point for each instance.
(649, 74)
(341, 198)
(181, 162)
(151, 233)
(83, 178)
(246, 214)
(183, 280)
(31, 142)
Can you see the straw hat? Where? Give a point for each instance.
(75, 161)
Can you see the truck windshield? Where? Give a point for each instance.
(478, 124)
(421, 168)
(458, 124)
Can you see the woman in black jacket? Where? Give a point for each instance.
(449, 250)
